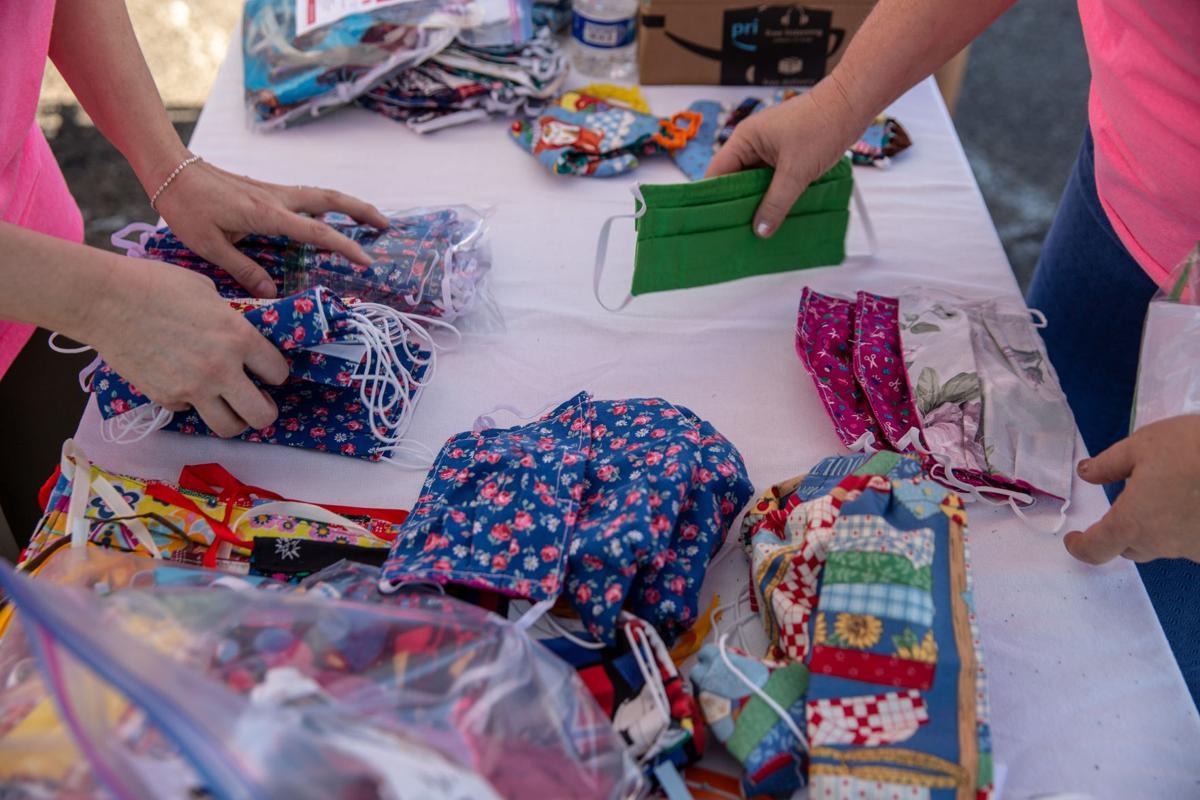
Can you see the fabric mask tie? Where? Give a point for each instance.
(602, 248)
(76, 468)
(760, 694)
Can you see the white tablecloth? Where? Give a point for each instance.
(1085, 694)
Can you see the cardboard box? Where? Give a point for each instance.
(730, 42)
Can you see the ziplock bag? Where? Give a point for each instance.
(1168, 382)
(463, 84)
(431, 263)
(297, 696)
(295, 70)
(357, 373)
(700, 233)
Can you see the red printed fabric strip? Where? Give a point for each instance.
(869, 720)
(879, 366)
(871, 667)
(824, 332)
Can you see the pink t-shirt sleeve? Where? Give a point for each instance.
(33, 193)
(1144, 111)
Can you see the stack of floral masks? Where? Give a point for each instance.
(860, 571)
(356, 374)
(428, 262)
(462, 84)
(967, 384)
(610, 504)
(601, 138)
(301, 61)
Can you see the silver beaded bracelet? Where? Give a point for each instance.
(187, 162)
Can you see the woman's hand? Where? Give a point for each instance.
(801, 138)
(210, 209)
(1158, 513)
(167, 331)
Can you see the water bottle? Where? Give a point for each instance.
(604, 37)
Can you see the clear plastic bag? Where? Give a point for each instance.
(433, 262)
(1168, 381)
(292, 73)
(167, 691)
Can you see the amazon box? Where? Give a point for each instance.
(727, 42)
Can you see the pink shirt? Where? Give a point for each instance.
(33, 193)
(1144, 110)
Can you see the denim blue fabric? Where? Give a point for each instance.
(1095, 297)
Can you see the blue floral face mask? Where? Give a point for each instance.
(621, 503)
(498, 508)
(357, 372)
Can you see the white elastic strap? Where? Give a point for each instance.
(911, 440)
(774, 706)
(534, 613)
(289, 508)
(135, 425)
(85, 374)
(868, 227)
(560, 630)
(52, 343)
(864, 444)
(485, 420)
(652, 677)
(1057, 527)
(133, 249)
(1039, 319)
(602, 248)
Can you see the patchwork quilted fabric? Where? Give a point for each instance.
(868, 587)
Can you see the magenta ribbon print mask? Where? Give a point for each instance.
(965, 383)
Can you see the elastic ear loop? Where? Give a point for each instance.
(534, 613)
(652, 678)
(1008, 497)
(868, 227)
(85, 374)
(485, 420)
(864, 444)
(133, 249)
(130, 427)
(602, 247)
(801, 739)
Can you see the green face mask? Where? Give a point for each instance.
(696, 234)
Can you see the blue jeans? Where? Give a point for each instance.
(1094, 296)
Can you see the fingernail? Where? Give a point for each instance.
(762, 229)
(265, 288)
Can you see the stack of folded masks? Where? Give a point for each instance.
(611, 504)
(599, 137)
(965, 383)
(463, 84)
(861, 577)
(882, 140)
(357, 371)
(300, 65)
(428, 262)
